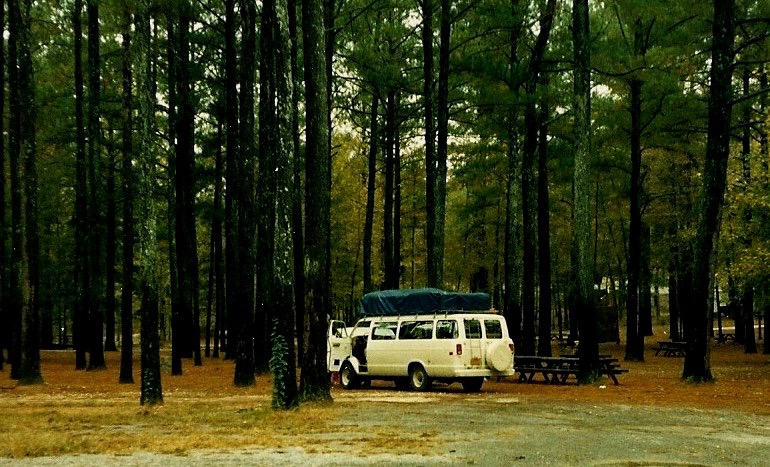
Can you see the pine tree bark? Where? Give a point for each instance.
(151, 388)
(81, 272)
(584, 301)
(439, 169)
(110, 250)
(543, 235)
(314, 384)
(95, 237)
(697, 362)
(528, 186)
(370, 191)
(30, 345)
(390, 281)
(276, 146)
(634, 337)
(512, 238)
(245, 364)
(186, 237)
(127, 172)
(232, 253)
(430, 142)
(178, 347)
(5, 334)
(298, 241)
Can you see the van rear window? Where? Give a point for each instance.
(493, 328)
(416, 330)
(446, 329)
(472, 329)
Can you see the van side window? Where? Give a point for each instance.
(493, 328)
(446, 329)
(416, 330)
(384, 331)
(472, 329)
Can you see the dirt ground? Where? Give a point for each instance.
(651, 418)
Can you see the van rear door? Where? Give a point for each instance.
(473, 342)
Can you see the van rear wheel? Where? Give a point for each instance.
(472, 384)
(418, 378)
(348, 377)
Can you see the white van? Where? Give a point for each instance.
(416, 349)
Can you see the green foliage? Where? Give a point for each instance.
(279, 368)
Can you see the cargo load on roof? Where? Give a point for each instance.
(422, 301)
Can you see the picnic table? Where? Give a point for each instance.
(556, 370)
(725, 337)
(671, 348)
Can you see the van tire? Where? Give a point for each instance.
(472, 384)
(348, 377)
(418, 378)
(499, 356)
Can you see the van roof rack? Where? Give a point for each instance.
(425, 301)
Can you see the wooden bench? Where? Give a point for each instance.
(557, 370)
(725, 337)
(670, 348)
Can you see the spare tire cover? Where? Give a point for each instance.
(499, 356)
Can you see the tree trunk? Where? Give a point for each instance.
(298, 242)
(370, 192)
(430, 142)
(267, 183)
(5, 335)
(764, 157)
(276, 146)
(439, 170)
(178, 350)
(544, 235)
(186, 238)
(15, 153)
(110, 251)
(634, 337)
(529, 219)
(314, 384)
(244, 355)
(232, 252)
(81, 273)
(30, 340)
(127, 290)
(151, 389)
(96, 220)
(387, 204)
(585, 306)
(697, 362)
(747, 309)
(396, 194)
(218, 263)
(645, 285)
(747, 292)
(512, 241)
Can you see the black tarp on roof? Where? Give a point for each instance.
(421, 301)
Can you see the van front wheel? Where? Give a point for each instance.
(418, 378)
(348, 376)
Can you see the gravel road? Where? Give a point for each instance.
(386, 427)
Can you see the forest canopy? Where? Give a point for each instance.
(249, 170)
